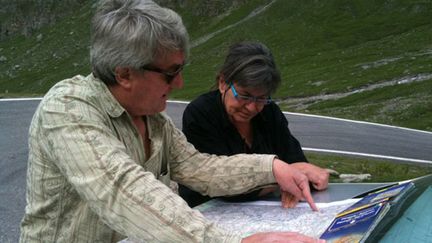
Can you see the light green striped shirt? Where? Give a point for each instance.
(89, 181)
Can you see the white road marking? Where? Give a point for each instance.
(367, 155)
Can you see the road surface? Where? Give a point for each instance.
(315, 133)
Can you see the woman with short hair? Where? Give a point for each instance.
(239, 116)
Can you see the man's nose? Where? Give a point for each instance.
(178, 81)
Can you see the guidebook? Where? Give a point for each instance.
(354, 223)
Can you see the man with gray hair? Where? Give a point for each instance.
(102, 155)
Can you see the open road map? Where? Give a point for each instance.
(263, 216)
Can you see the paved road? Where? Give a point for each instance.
(314, 133)
(331, 135)
(360, 138)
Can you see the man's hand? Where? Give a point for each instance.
(318, 176)
(293, 181)
(288, 237)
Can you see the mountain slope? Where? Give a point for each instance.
(367, 60)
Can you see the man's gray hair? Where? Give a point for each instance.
(131, 33)
(251, 64)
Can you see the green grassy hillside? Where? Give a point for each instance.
(365, 60)
(56, 52)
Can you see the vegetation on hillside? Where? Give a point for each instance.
(379, 170)
(364, 60)
(31, 65)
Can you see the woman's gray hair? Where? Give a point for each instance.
(131, 33)
(250, 64)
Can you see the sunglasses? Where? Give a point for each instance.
(169, 76)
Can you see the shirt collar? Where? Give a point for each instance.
(109, 103)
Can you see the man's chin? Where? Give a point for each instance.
(163, 106)
(157, 108)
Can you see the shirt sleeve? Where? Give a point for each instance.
(127, 198)
(217, 175)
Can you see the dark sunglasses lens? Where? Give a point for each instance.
(169, 78)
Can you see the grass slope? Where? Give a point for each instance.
(321, 47)
(380, 170)
(35, 64)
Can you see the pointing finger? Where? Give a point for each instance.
(308, 197)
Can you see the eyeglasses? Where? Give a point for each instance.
(169, 76)
(249, 99)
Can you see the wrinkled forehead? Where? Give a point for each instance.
(170, 59)
(162, 51)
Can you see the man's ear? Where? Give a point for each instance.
(222, 84)
(123, 77)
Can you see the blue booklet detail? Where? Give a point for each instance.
(354, 223)
(379, 196)
(351, 227)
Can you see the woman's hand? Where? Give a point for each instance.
(293, 181)
(317, 176)
(288, 200)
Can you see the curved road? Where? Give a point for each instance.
(315, 133)
(341, 136)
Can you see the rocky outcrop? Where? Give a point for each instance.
(203, 8)
(24, 17)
